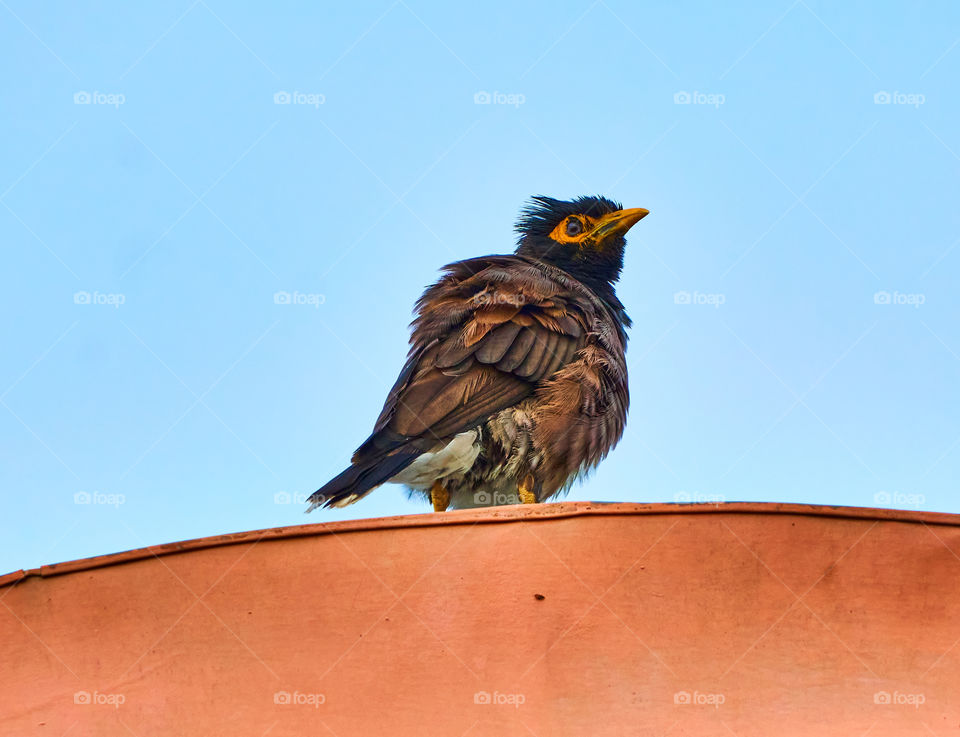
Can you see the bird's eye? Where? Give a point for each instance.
(574, 227)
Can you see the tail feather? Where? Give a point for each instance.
(358, 480)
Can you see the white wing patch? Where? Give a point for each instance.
(456, 457)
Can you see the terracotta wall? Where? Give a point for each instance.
(562, 619)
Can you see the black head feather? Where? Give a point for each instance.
(598, 268)
(543, 214)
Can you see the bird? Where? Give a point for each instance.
(515, 384)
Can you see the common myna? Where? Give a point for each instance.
(516, 379)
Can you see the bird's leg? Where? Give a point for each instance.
(439, 496)
(525, 489)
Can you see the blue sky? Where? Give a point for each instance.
(168, 168)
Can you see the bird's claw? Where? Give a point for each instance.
(525, 490)
(439, 496)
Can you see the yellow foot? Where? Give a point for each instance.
(525, 490)
(439, 496)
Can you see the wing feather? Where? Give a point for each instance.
(497, 343)
(482, 341)
(518, 351)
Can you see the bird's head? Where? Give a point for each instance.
(584, 236)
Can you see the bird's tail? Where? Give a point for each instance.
(360, 479)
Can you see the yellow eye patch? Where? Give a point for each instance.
(573, 229)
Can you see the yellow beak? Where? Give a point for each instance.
(618, 223)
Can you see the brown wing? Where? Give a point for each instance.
(481, 343)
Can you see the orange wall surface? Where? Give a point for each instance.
(561, 619)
